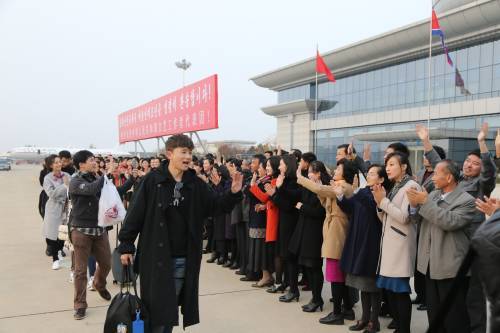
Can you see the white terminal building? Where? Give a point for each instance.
(382, 85)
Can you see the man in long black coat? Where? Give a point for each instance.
(168, 210)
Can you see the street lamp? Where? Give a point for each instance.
(184, 65)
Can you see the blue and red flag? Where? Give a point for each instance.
(436, 31)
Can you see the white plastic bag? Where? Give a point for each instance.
(111, 210)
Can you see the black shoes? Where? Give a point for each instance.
(227, 264)
(234, 266)
(312, 307)
(212, 259)
(417, 300)
(249, 278)
(348, 314)
(422, 307)
(79, 314)
(277, 288)
(372, 327)
(360, 326)
(393, 325)
(104, 294)
(240, 272)
(221, 261)
(289, 297)
(332, 319)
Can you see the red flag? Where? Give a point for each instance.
(321, 67)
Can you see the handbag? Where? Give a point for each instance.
(116, 264)
(125, 307)
(111, 209)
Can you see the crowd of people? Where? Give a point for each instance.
(280, 216)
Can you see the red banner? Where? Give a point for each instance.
(192, 108)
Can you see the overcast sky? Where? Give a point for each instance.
(68, 68)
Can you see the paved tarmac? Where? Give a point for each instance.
(34, 298)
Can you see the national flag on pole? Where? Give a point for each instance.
(436, 31)
(459, 83)
(321, 67)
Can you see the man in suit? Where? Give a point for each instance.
(424, 178)
(477, 178)
(445, 216)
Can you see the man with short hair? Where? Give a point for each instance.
(155, 162)
(67, 162)
(86, 236)
(477, 178)
(268, 154)
(167, 213)
(445, 216)
(424, 179)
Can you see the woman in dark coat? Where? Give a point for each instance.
(362, 246)
(307, 238)
(288, 216)
(221, 183)
(148, 215)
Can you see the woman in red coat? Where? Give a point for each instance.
(272, 218)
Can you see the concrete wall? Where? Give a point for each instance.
(294, 131)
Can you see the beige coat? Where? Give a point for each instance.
(398, 245)
(335, 224)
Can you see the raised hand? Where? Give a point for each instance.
(237, 182)
(497, 144)
(422, 132)
(416, 197)
(270, 190)
(215, 178)
(299, 173)
(254, 179)
(481, 137)
(280, 180)
(378, 192)
(367, 152)
(489, 206)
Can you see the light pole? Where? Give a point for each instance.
(184, 65)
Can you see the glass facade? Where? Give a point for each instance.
(328, 140)
(405, 85)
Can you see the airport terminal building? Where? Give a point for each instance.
(381, 91)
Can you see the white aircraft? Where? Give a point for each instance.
(33, 153)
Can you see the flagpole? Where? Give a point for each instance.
(429, 93)
(316, 108)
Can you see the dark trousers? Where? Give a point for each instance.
(222, 248)
(209, 225)
(293, 273)
(179, 269)
(92, 266)
(315, 278)
(370, 302)
(84, 246)
(341, 295)
(457, 319)
(419, 283)
(476, 302)
(242, 243)
(54, 247)
(400, 304)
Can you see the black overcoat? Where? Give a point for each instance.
(288, 214)
(307, 238)
(146, 217)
